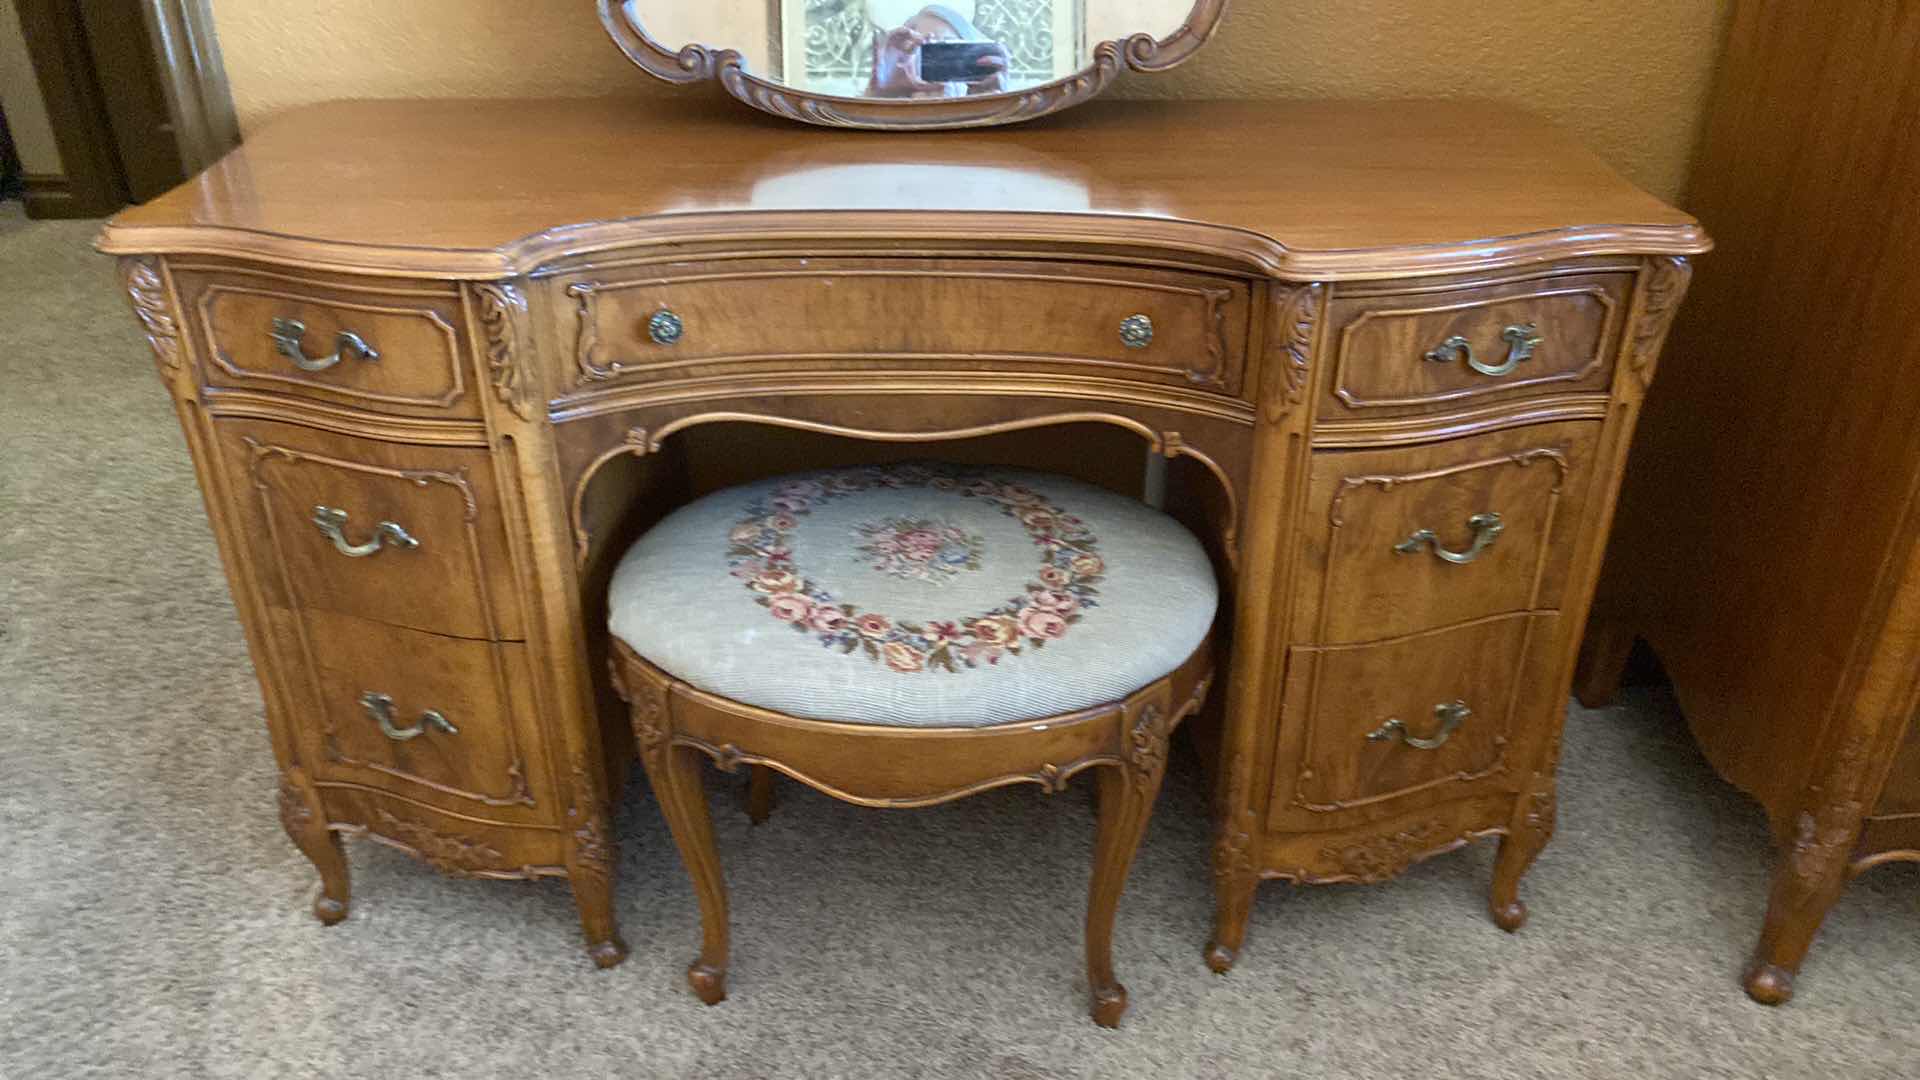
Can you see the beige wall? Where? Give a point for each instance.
(20, 97)
(1628, 76)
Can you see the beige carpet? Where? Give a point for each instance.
(153, 918)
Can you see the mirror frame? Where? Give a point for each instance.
(697, 62)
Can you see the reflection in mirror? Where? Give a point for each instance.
(906, 49)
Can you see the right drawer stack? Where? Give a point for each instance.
(1426, 622)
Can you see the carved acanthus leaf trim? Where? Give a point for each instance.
(1827, 828)
(502, 307)
(1296, 314)
(1376, 858)
(593, 850)
(141, 277)
(1233, 848)
(457, 855)
(295, 814)
(1667, 280)
(1146, 748)
(649, 716)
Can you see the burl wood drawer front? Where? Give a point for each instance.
(1422, 537)
(1438, 347)
(410, 535)
(686, 320)
(442, 720)
(1420, 719)
(395, 348)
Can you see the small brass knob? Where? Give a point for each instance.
(665, 327)
(1136, 331)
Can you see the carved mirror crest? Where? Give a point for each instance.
(907, 65)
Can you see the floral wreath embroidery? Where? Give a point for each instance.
(917, 549)
(1065, 584)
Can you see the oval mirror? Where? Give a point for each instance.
(903, 64)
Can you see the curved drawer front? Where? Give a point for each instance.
(1418, 538)
(1417, 720)
(391, 349)
(408, 535)
(677, 321)
(441, 720)
(1433, 348)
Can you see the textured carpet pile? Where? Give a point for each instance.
(154, 919)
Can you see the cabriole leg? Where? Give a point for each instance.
(1126, 802)
(1807, 880)
(675, 773)
(302, 815)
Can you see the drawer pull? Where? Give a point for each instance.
(665, 327)
(1136, 331)
(286, 341)
(332, 524)
(1521, 341)
(380, 707)
(1486, 529)
(1451, 715)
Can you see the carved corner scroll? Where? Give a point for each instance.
(503, 310)
(699, 62)
(140, 275)
(1296, 318)
(1666, 285)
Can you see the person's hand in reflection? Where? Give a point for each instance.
(897, 54)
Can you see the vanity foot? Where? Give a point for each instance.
(1769, 984)
(1109, 1003)
(1220, 958)
(328, 910)
(608, 953)
(709, 983)
(1509, 916)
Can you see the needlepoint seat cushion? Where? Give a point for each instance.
(918, 594)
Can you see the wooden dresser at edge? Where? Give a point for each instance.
(438, 363)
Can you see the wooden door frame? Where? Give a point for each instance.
(195, 79)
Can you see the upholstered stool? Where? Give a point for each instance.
(906, 635)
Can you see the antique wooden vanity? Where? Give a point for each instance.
(437, 362)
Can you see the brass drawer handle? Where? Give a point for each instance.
(1451, 715)
(380, 707)
(1486, 529)
(1136, 331)
(665, 327)
(1521, 341)
(332, 524)
(286, 341)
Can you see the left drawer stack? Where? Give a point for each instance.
(368, 529)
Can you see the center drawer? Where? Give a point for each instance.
(684, 320)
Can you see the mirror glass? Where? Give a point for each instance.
(906, 49)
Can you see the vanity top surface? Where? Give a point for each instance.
(1298, 189)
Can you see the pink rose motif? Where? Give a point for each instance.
(1087, 565)
(1041, 624)
(943, 631)
(827, 620)
(776, 581)
(995, 630)
(1053, 575)
(873, 626)
(790, 607)
(1054, 600)
(901, 656)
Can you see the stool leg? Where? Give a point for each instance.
(675, 773)
(1126, 802)
(759, 794)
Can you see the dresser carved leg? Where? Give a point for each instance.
(1807, 880)
(1603, 659)
(1234, 885)
(1126, 797)
(590, 872)
(675, 774)
(1521, 845)
(759, 794)
(306, 823)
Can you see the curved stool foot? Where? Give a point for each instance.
(608, 953)
(1510, 916)
(709, 983)
(1109, 1003)
(1220, 958)
(1769, 984)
